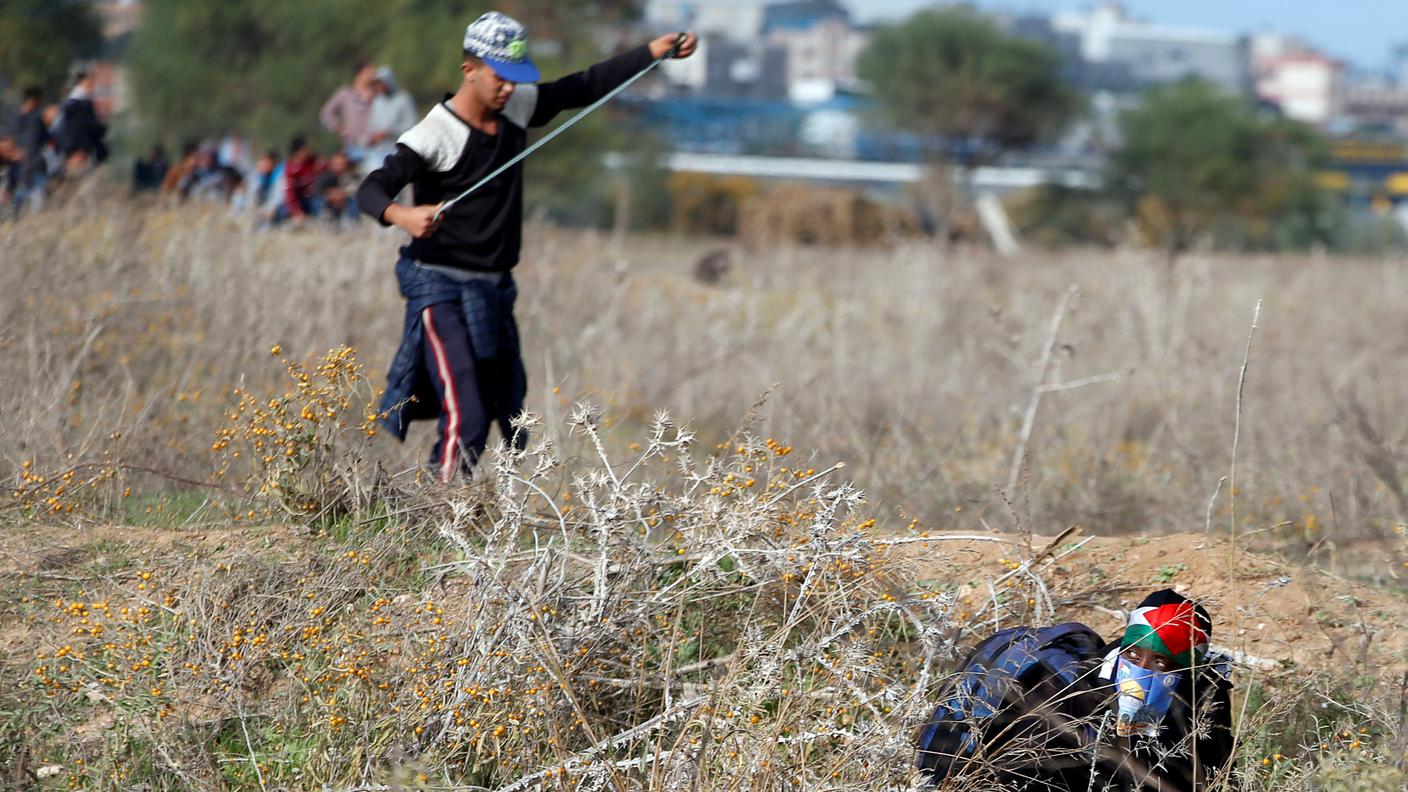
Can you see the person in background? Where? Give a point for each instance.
(177, 174)
(347, 111)
(233, 152)
(269, 188)
(149, 172)
(81, 135)
(10, 154)
(393, 112)
(208, 180)
(31, 135)
(264, 183)
(301, 172)
(233, 187)
(336, 185)
(53, 159)
(11, 158)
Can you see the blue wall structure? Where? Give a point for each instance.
(767, 127)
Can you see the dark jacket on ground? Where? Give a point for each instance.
(443, 156)
(1053, 730)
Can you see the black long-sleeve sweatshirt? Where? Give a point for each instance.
(443, 156)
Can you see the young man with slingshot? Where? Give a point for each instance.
(459, 359)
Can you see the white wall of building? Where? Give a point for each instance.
(826, 51)
(1304, 86)
(1156, 53)
(740, 21)
(1290, 73)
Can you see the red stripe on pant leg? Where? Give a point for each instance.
(452, 401)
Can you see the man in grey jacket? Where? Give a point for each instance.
(393, 112)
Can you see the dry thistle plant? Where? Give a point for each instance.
(661, 621)
(729, 622)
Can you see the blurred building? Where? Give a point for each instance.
(1153, 54)
(798, 49)
(1105, 49)
(742, 70)
(821, 44)
(1291, 75)
(1374, 105)
(740, 21)
(731, 60)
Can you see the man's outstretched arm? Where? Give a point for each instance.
(584, 87)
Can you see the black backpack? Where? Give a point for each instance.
(1006, 679)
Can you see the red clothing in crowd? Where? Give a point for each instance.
(300, 180)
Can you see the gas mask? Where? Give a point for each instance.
(1143, 698)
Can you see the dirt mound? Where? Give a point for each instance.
(1271, 613)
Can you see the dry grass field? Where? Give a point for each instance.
(213, 576)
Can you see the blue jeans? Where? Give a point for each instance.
(33, 183)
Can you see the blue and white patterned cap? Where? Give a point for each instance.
(502, 42)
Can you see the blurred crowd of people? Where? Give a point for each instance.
(49, 142)
(52, 143)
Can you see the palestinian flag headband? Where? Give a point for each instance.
(1169, 623)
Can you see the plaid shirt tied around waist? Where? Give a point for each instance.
(487, 302)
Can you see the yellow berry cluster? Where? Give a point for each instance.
(293, 449)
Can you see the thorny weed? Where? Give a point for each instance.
(297, 452)
(729, 620)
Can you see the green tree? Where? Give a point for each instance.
(953, 74)
(40, 40)
(422, 41)
(258, 67)
(263, 68)
(1196, 162)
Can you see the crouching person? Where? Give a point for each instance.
(1057, 709)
